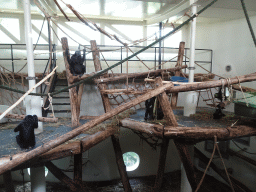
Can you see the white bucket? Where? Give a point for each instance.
(190, 103)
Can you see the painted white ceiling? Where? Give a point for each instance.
(135, 10)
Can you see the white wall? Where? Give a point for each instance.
(232, 44)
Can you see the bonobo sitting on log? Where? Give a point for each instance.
(26, 137)
(76, 63)
(149, 113)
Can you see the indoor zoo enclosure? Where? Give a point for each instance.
(120, 92)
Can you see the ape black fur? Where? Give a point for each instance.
(149, 113)
(76, 63)
(26, 137)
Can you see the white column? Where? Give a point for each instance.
(33, 103)
(191, 97)
(37, 178)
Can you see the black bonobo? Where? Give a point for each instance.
(26, 137)
(76, 63)
(149, 113)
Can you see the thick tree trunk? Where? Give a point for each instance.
(174, 98)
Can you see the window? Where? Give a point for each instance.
(46, 171)
(131, 161)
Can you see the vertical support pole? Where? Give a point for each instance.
(190, 104)
(37, 178)
(161, 165)
(160, 46)
(120, 164)
(8, 183)
(174, 98)
(78, 169)
(33, 103)
(107, 108)
(75, 108)
(168, 113)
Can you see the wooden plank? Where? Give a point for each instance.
(174, 98)
(21, 117)
(8, 182)
(61, 176)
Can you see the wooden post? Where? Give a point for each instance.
(78, 169)
(75, 108)
(183, 149)
(161, 165)
(174, 98)
(168, 113)
(61, 176)
(8, 183)
(107, 107)
(187, 163)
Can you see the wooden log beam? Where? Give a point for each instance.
(97, 65)
(8, 182)
(181, 147)
(78, 170)
(75, 108)
(61, 176)
(237, 184)
(161, 165)
(107, 107)
(186, 159)
(120, 164)
(171, 120)
(96, 138)
(211, 84)
(21, 117)
(247, 159)
(174, 98)
(138, 75)
(59, 152)
(58, 141)
(150, 129)
(189, 133)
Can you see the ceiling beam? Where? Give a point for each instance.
(170, 11)
(5, 31)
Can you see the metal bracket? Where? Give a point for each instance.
(31, 78)
(191, 68)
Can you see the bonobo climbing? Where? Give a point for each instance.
(76, 63)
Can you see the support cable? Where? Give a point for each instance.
(248, 21)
